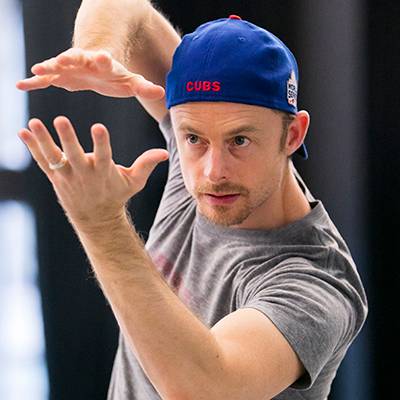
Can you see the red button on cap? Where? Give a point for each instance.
(234, 17)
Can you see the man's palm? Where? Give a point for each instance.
(77, 69)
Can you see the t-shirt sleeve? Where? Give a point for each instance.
(314, 310)
(175, 196)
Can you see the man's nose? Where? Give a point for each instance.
(217, 165)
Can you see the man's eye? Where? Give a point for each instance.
(192, 139)
(241, 141)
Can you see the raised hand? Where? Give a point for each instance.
(78, 69)
(91, 188)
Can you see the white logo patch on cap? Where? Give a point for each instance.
(292, 90)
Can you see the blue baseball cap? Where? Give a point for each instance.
(233, 60)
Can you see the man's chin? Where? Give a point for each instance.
(221, 215)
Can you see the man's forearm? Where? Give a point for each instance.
(177, 351)
(133, 31)
(109, 25)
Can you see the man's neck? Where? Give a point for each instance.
(295, 205)
(286, 205)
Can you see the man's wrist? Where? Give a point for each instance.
(103, 224)
(106, 244)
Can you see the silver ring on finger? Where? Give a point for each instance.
(60, 164)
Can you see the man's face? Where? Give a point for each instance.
(230, 148)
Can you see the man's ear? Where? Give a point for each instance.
(297, 131)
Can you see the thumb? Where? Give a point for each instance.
(148, 89)
(145, 164)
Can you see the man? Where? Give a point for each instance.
(258, 295)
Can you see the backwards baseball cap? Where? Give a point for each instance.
(233, 60)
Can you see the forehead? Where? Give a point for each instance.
(221, 114)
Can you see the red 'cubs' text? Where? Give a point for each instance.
(203, 86)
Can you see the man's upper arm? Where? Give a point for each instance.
(258, 361)
(151, 56)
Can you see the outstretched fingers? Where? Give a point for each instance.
(144, 165)
(46, 67)
(26, 136)
(70, 143)
(103, 60)
(101, 146)
(36, 82)
(52, 153)
(147, 89)
(71, 57)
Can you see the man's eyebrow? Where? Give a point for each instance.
(234, 131)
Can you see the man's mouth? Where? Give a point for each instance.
(220, 199)
(222, 195)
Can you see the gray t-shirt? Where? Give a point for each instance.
(301, 276)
